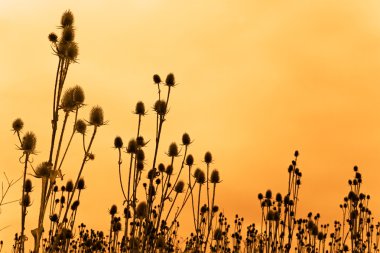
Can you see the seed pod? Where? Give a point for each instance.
(28, 186)
(132, 146)
(113, 210)
(29, 142)
(96, 116)
(80, 126)
(179, 187)
(81, 184)
(156, 79)
(215, 178)
(160, 107)
(189, 160)
(186, 139)
(43, 170)
(208, 157)
(118, 142)
(140, 108)
(170, 80)
(67, 18)
(17, 125)
(173, 150)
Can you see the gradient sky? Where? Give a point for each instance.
(257, 80)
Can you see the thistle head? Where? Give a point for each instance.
(97, 116)
(81, 184)
(68, 34)
(72, 51)
(17, 125)
(140, 155)
(69, 186)
(28, 186)
(118, 142)
(43, 169)
(161, 167)
(160, 107)
(53, 37)
(29, 141)
(186, 139)
(26, 202)
(169, 170)
(142, 210)
(113, 210)
(201, 177)
(189, 160)
(132, 146)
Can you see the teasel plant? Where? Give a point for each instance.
(65, 103)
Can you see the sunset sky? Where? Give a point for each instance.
(256, 81)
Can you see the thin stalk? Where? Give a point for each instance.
(23, 207)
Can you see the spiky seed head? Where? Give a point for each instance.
(26, 200)
(296, 153)
(127, 213)
(196, 172)
(54, 217)
(278, 197)
(140, 155)
(170, 80)
(43, 169)
(151, 174)
(201, 177)
(17, 125)
(140, 165)
(113, 210)
(268, 194)
(81, 126)
(179, 187)
(169, 169)
(55, 189)
(69, 186)
(67, 18)
(53, 37)
(215, 178)
(67, 102)
(356, 168)
(81, 184)
(189, 160)
(132, 146)
(78, 95)
(68, 33)
(186, 139)
(28, 186)
(215, 209)
(140, 108)
(161, 167)
(218, 234)
(173, 150)
(118, 142)
(140, 141)
(91, 156)
(72, 51)
(141, 210)
(156, 79)
(260, 196)
(74, 205)
(97, 116)
(29, 141)
(208, 157)
(160, 107)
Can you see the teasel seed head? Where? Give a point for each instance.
(189, 160)
(296, 153)
(141, 210)
(140, 141)
(140, 165)
(68, 34)
(74, 205)
(81, 184)
(170, 80)
(17, 125)
(161, 167)
(132, 146)
(67, 18)
(208, 158)
(169, 169)
(67, 102)
(113, 210)
(80, 126)
(173, 150)
(28, 186)
(29, 141)
(186, 139)
(201, 177)
(43, 170)
(179, 187)
(160, 107)
(118, 142)
(156, 79)
(268, 194)
(72, 51)
(97, 116)
(214, 177)
(53, 37)
(140, 155)
(78, 95)
(196, 172)
(26, 200)
(69, 186)
(140, 109)
(218, 234)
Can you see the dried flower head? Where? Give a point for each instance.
(140, 155)
(43, 169)
(173, 150)
(72, 51)
(189, 160)
(170, 80)
(69, 186)
(140, 141)
(142, 210)
(29, 141)
(169, 169)
(113, 210)
(140, 108)
(218, 234)
(208, 157)
(67, 18)
(67, 102)
(81, 184)
(17, 125)
(28, 186)
(68, 33)
(201, 177)
(186, 139)
(74, 205)
(118, 142)
(26, 200)
(156, 79)
(161, 167)
(179, 187)
(80, 126)
(78, 95)
(196, 172)
(215, 178)
(160, 107)
(53, 37)
(97, 116)
(132, 146)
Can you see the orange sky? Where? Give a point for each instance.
(257, 80)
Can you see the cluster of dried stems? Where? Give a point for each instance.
(150, 222)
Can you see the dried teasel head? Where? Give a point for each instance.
(29, 141)
(118, 142)
(96, 116)
(17, 125)
(67, 18)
